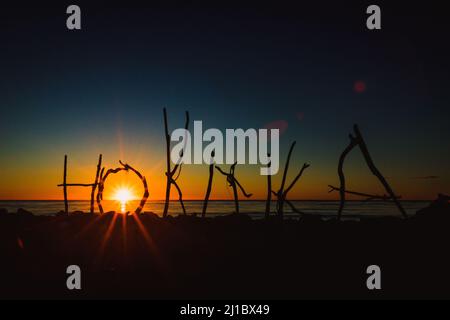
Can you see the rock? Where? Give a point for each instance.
(311, 219)
(235, 218)
(149, 214)
(186, 217)
(61, 213)
(438, 210)
(24, 212)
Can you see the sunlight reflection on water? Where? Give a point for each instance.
(123, 206)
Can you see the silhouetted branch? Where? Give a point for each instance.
(76, 185)
(125, 167)
(282, 193)
(269, 188)
(168, 184)
(180, 195)
(221, 171)
(144, 182)
(94, 185)
(177, 165)
(100, 192)
(101, 186)
(233, 184)
(178, 175)
(208, 188)
(286, 167)
(305, 166)
(66, 203)
(358, 140)
(171, 172)
(353, 143)
(375, 171)
(369, 196)
(293, 208)
(248, 195)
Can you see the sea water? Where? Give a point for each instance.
(216, 207)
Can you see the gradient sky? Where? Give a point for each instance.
(102, 90)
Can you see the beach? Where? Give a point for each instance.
(230, 257)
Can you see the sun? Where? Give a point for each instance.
(123, 195)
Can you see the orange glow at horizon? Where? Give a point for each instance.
(38, 182)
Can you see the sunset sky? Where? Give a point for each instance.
(313, 72)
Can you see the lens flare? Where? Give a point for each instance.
(123, 195)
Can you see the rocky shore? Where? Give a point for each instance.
(233, 257)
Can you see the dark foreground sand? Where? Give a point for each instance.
(228, 257)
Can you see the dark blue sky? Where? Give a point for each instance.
(231, 66)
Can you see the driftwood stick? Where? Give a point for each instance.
(168, 184)
(94, 185)
(305, 166)
(232, 180)
(177, 165)
(76, 185)
(293, 208)
(221, 171)
(286, 167)
(247, 195)
(144, 182)
(179, 172)
(100, 191)
(125, 167)
(235, 194)
(170, 172)
(101, 186)
(145, 196)
(269, 193)
(66, 203)
(101, 176)
(361, 194)
(282, 192)
(375, 171)
(353, 143)
(208, 188)
(234, 183)
(180, 196)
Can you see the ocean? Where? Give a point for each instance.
(255, 208)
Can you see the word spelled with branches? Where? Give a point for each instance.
(282, 193)
(234, 183)
(358, 140)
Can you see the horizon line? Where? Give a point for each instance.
(240, 200)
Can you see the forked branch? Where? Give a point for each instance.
(282, 192)
(234, 183)
(170, 173)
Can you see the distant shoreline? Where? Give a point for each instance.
(222, 200)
